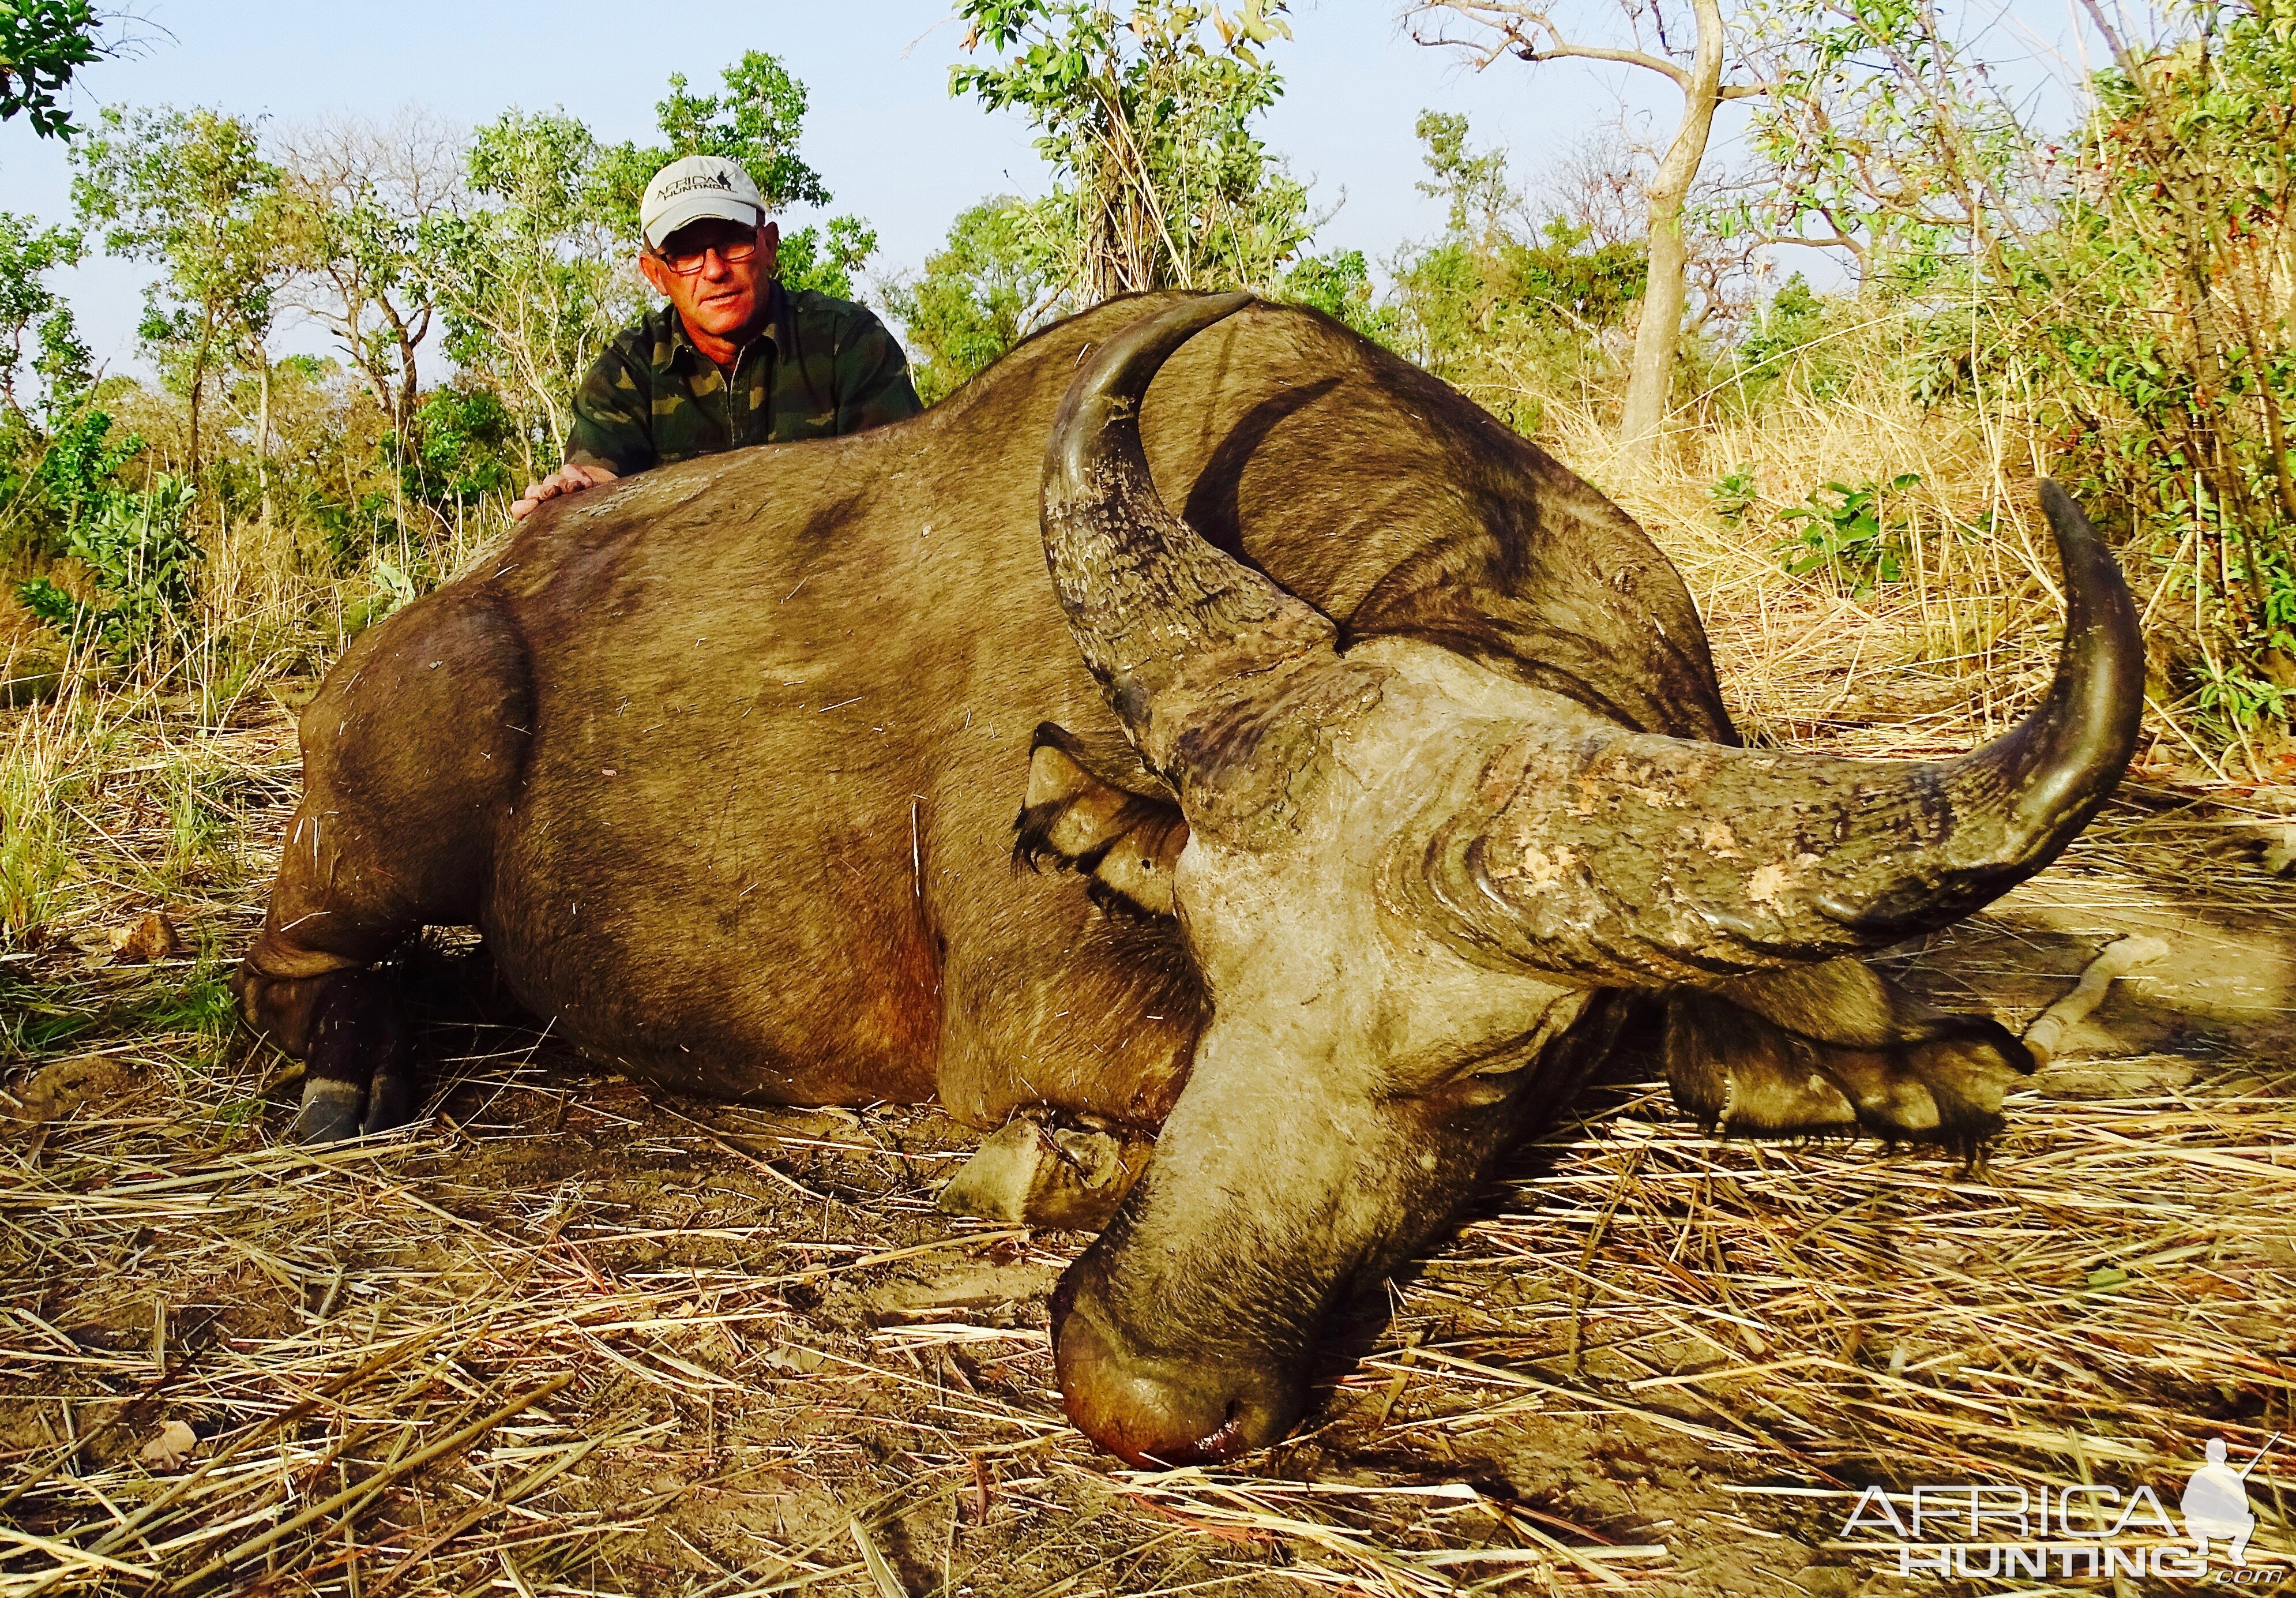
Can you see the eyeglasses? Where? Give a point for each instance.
(687, 261)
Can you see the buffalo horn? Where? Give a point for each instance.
(1631, 858)
(1170, 626)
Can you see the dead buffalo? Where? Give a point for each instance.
(1391, 776)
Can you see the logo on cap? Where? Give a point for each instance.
(698, 180)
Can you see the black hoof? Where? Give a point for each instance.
(330, 1112)
(391, 1100)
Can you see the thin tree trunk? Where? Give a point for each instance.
(404, 417)
(1650, 380)
(199, 382)
(263, 433)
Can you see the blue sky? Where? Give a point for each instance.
(883, 132)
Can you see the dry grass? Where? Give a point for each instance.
(574, 1336)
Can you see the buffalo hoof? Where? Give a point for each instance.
(334, 1110)
(1055, 1179)
(391, 1100)
(1158, 1414)
(330, 1112)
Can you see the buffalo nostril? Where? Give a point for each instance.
(1221, 1446)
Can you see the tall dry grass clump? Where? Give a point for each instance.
(1873, 571)
(154, 718)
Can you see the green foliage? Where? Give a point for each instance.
(757, 121)
(77, 474)
(976, 296)
(464, 447)
(1473, 186)
(1339, 284)
(1777, 346)
(1882, 138)
(1734, 492)
(191, 193)
(1146, 121)
(1494, 298)
(138, 557)
(29, 308)
(361, 209)
(43, 43)
(30, 473)
(1849, 534)
(825, 258)
(536, 279)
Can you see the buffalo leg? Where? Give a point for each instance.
(1046, 1172)
(412, 752)
(1837, 1049)
(1071, 1013)
(1070, 1042)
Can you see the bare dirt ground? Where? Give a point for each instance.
(573, 1336)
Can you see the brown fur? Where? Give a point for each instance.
(682, 727)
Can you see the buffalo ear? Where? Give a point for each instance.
(1095, 809)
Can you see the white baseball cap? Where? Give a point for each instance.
(692, 188)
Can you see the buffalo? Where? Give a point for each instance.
(1372, 766)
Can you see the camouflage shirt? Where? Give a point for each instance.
(818, 368)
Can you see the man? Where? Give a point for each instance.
(733, 359)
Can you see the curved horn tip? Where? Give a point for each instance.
(1122, 368)
(2102, 669)
(2041, 781)
(1108, 392)
(2060, 507)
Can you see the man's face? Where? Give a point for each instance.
(714, 295)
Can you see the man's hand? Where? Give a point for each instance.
(566, 480)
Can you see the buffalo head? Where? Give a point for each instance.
(1421, 894)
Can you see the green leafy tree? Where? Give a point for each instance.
(1339, 284)
(1473, 185)
(43, 43)
(1885, 140)
(1779, 346)
(757, 121)
(461, 448)
(979, 294)
(39, 344)
(825, 258)
(1146, 120)
(191, 193)
(30, 310)
(1500, 297)
(137, 562)
(536, 277)
(363, 206)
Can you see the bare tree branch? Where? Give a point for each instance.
(1528, 33)
(1528, 30)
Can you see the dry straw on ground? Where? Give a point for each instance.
(571, 1336)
